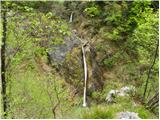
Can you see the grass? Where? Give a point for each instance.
(98, 113)
(110, 111)
(123, 104)
(29, 95)
(33, 96)
(32, 93)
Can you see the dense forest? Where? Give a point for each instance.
(79, 59)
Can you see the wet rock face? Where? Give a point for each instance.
(67, 59)
(57, 53)
(128, 115)
(72, 69)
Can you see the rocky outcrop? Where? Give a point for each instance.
(128, 115)
(57, 53)
(124, 91)
(67, 58)
(111, 96)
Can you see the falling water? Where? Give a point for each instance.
(85, 78)
(71, 17)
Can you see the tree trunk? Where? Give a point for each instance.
(3, 70)
(150, 70)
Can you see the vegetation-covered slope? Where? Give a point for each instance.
(43, 66)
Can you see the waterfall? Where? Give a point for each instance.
(85, 78)
(71, 17)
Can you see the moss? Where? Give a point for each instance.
(68, 57)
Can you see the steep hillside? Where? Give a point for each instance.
(77, 59)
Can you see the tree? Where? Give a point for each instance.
(3, 59)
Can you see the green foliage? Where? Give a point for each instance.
(145, 37)
(98, 96)
(142, 112)
(113, 13)
(127, 34)
(31, 92)
(109, 62)
(92, 11)
(28, 37)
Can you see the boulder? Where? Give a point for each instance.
(111, 96)
(57, 53)
(124, 91)
(127, 115)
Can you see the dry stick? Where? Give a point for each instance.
(149, 91)
(153, 87)
(57, 97)
(152, 99)
(150, 70)
(85, 77)
(50, 97)
(153, 104)
(54, 110)
(156, 105)
(51, 101)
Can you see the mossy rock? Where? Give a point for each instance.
(73, 72)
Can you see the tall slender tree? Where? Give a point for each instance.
(3, 70)
(150, 71)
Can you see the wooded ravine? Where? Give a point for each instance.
(79, 59)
